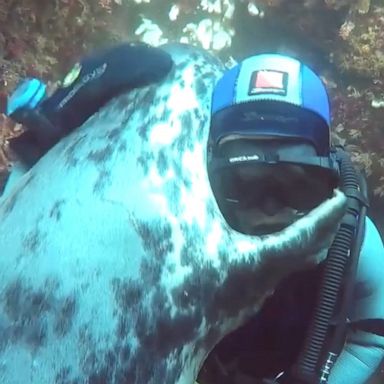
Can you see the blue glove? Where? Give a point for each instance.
(28, 94)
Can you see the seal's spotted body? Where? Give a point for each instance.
(116, 265)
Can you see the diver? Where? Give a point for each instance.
(270, 161)
(92, 82)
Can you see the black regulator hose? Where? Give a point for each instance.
(326, 334)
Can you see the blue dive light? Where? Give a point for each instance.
(28, 94)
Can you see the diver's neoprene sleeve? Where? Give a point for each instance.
(364, 350)
(359, 359)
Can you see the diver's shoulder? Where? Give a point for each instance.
(372, 251)
(371, 232)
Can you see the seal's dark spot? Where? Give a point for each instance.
(128, 293)
(70, 151)
(110, 359)
(35, 333)
(144, 160)
(100, 377)
(171, 332)
(150, 271)
(178, 169)
(124, 355)
(166, 115)
(199, 122)
(192, 243)
(201, 87)
(164, 333)
(184, 142)
(123, 327)
(101, 156)
(32, 310)
(122, 147)
(12, 300)
(224, 256)
(55, 212)
(26, 310)
(103, 179)
(137, 367)
(162, 162)
(32, 240)
(90, 362)
(174, 193)
(156, 237)
(63, 376)
(114, 135)
(65, 316)
(181, 298)
(23, 303)
(142, 131)
(148, 97)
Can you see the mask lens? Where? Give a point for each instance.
(294, 186)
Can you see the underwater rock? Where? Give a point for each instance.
(116, 265)
(361, 53)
